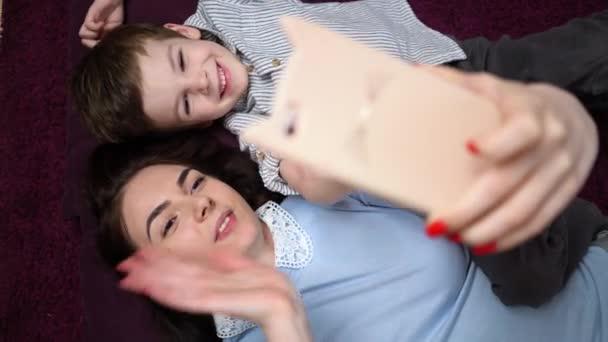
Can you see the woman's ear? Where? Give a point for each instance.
(186, 31)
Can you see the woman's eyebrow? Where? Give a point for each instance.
(181, 179)
(153, 215)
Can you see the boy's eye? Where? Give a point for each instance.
(168, 226)
(182, 64)
(197, 183)
(186, 104)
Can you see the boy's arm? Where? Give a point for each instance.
(103, 16)
(285, 176)
(268, 164)
(314, 187)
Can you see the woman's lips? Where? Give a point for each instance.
(224, 225)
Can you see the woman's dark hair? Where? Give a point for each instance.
(111, 166)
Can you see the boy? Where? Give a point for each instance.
(143, 79)
(249, 60)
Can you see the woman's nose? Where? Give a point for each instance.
(203, 208)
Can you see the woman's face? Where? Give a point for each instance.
(185, 211)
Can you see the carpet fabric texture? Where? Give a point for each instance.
(1, 5)
(40, 251)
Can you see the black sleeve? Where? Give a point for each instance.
(534, 272)
(572, 56)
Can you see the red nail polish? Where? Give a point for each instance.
(455, 238)
(484, 249)
(472, 147)
(436, 228)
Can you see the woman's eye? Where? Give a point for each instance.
(197, 183)
(168, 226)
(186, 105)
(182, 63)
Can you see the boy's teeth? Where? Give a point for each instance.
(222, 80)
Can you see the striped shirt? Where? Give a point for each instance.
(251, 30)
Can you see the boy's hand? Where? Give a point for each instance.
(102, 17)
(311, 185)
(541, 157)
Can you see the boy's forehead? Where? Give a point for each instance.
(152, 45)
(157, 82)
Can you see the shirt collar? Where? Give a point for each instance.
(292, 249)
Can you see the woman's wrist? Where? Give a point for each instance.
(288, 323)
(295, 329)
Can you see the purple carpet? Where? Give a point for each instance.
(40, 294)
(39, 251)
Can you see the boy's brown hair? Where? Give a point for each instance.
(106, 84)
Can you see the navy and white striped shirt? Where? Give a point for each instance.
(250, 29)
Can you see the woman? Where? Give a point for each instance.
(360, 270)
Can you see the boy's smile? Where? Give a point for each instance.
(189, 81)
(224, 79)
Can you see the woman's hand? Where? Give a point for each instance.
(219, 282)
(102, 17)
(311, 185)
(541, 156)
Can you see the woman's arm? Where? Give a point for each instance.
(534, 272)
(222, 283)
(292, 326)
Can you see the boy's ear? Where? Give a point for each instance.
(186, 31)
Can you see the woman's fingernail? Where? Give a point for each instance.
(484, 249)
(122, 267)
(124, 283)
(472, 147)
(436, 228)
(127, 284)
(455, 238)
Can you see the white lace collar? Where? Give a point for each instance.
(292, 249)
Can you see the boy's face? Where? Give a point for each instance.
(188, 81)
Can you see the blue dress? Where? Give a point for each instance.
(375, 276)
